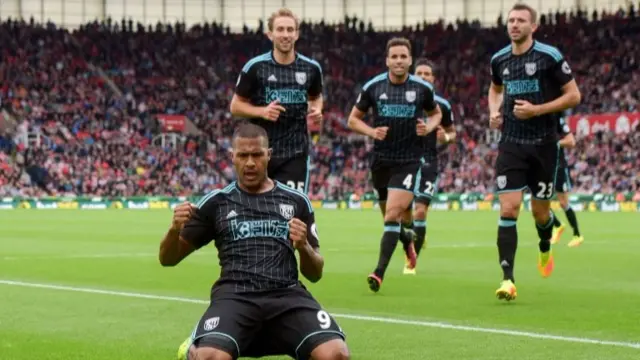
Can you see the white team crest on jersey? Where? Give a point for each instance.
(530, 68)
(211, 323)
(286, 210)
(502, 181)
(565, 68)
(410, 96)
(301, 77)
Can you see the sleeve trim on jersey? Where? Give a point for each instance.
(376, 79)
(443, 101)
(501, 52)
(311, 61)
(419, 80)
(549, 50)
(203, 200)
(255, 60)
(296, 192)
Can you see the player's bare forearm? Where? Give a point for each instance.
(316, 102)
(242, 108)
(358, 125)
(311, 263)
(315, 105)
(567, 142)
(434, 117)
(495, 98)
(570, 98)
(173, 248)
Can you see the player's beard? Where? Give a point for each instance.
(520, 38)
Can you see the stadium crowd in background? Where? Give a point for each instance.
(93, 96)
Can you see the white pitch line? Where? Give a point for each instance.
(91, 256)
(432, 324)
(78, 256)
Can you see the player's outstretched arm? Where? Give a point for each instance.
(173, 248)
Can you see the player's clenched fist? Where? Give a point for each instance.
(315, 115)
(273, 110)
(181, 214)
(298, 233)
(441, 135)
(422, 129)
(525, 110)
(380, 133)
(495, 120)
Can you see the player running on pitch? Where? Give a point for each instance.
(531, 86)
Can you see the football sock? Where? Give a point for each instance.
(406, 236)
(507, 245)
(387, 246)
(544, 232)
(556, 222)
(420, 228)
(571, 216)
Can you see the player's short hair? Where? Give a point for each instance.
(426, 62)
(248, 130)
(398, 41)
(532, 12)
(282, 12)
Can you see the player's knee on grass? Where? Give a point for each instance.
(192, 353)
(207, 353)
(329, 347)
(214, 347)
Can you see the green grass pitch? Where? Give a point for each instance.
(88, 285)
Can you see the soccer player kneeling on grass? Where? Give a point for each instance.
(258, 305)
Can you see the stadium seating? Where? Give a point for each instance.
(79, 109)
